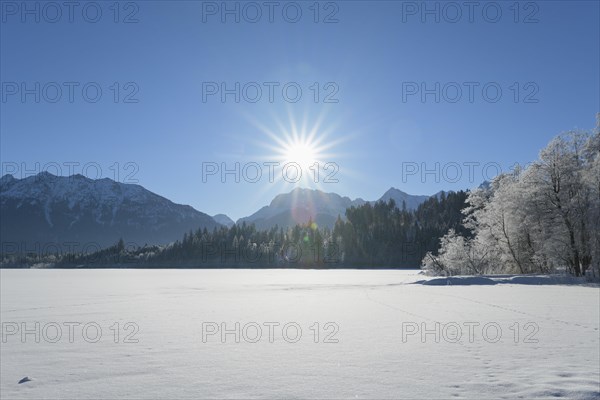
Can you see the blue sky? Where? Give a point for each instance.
(379, 133)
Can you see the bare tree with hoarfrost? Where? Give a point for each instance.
(591, 178)
(563, 199)
(460, 256)
(544, 217)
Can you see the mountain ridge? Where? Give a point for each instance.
(223, 219)
(302, 205)
(47, 208)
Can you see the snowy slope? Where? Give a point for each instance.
(223, 220)
(372, 309)
(46, 208)
(299, 206)
(302, 205)
(411, 201)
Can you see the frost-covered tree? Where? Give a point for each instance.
(499, 223)
(543, 217)
(562, 199)
(460, 256)
(591, 178)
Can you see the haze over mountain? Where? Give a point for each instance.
(48, 209)
(400, 197)
(303, 205)
(224, 220)
(299, 207)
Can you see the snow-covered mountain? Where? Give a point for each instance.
(485, 185)
(223, 220)
(45, 209)
(411, 201)
(300, 206)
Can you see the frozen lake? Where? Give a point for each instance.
(302, 334)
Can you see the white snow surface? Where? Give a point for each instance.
(370, 360)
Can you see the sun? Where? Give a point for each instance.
(301, 152)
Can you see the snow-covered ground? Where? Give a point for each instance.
(361, 335)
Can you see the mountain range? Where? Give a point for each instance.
(299, 207)
(303, 205)
(46, 208)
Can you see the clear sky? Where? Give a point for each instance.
(375, 58)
